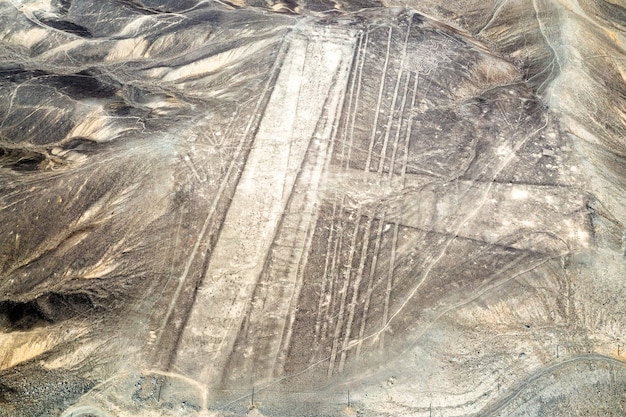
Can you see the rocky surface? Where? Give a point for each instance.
(312, 208)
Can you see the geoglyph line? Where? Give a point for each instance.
(383, 154)
(358, 96)
(392, 262)
(405, 161)
(344, 294)
(326, 297)
(355, 293)
(259, 201)
(370, 285)
(335, 100)
(368, 161)
(392, 164)
(223, 185)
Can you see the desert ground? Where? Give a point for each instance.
(312, 208)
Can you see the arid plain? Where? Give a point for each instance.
(325, 208)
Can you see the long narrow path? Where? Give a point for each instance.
(310, 70)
